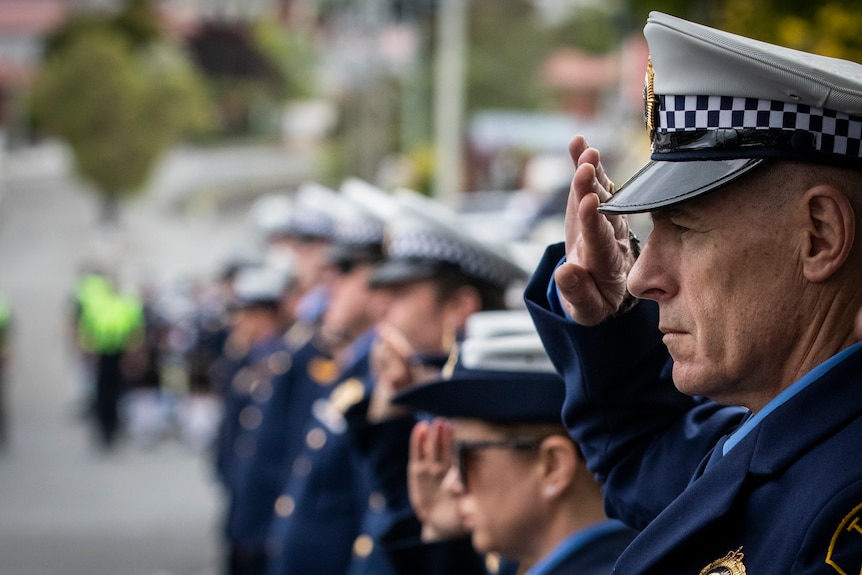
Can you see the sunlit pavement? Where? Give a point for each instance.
(66, 507)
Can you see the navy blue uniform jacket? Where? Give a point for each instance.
(325, 486)
(787, 499)
(595, 554)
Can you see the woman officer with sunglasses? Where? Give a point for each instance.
(496, 466)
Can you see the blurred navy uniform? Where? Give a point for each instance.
(259, 355)
(715, 494)
(283, 407)
(317, 512)
(504, 378)
(423, 243)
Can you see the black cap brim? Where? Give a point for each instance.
(394, 272)
(340, 253)
(504, 398)
(661, 184)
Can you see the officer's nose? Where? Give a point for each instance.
(652, 275)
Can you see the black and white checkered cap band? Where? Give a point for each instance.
(310, 223)
(419, 243)
(835, 132)
(359, 231)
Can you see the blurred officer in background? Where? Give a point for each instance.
(110, 325)
(305, 235)
(258, 352)
(519, 486)
(90, 285)
(318, 509)
(287, 404)
(436, 275)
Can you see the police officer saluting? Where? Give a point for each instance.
(518, 484)
(437, 275)
(748, 287)
(317, 509)
(258, 353)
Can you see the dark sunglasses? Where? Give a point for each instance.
(462, 449)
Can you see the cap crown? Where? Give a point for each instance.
(502, 375)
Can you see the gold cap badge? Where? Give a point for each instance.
(650, 101)
(730, 564)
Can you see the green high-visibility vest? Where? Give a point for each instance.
(108, 322)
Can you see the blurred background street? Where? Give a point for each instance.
(65, 506)
(171, 118)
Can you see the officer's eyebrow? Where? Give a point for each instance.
(676, 213)
(669, 212)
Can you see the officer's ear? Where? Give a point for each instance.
(830, 228)
(558, 462)
(464, 302)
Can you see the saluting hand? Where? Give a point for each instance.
(390, 366)
(592, 282)
(430, 461)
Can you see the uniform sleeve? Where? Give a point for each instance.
(411, 556)
(385, 449)
(642, 437)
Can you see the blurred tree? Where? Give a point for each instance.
(830, 28)
(827, 28)
(291, 53)
(136, 22)
(118, 108)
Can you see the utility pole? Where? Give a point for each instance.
(449, 95)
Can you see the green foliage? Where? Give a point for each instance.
(829, 28)
(593, 29)
(507, 45)
(137, 23)
(118, 109)
(292, 54)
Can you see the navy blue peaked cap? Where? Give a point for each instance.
(501, 376)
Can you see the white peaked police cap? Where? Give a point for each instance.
(718, 105)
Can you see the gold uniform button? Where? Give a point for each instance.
(376, 501)
(279, 362)
(250, 417)
(284, 506)
(362, 546)
(244, 446)
(492, 562)
(316, 438)
(301, 466)
(262, 392)
(322, 370)
(242, 381)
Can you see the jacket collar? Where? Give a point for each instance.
(827, 404)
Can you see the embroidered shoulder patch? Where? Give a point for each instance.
(730, 564)
(845, 549)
